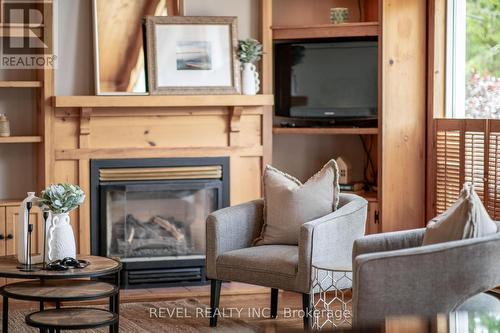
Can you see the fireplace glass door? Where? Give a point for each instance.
(157, 220)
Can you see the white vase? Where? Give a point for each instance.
(60, 238)
(250, 79)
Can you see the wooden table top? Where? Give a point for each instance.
(59, 290)
(71, 318)
(98, 266)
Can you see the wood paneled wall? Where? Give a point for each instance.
(80, 135)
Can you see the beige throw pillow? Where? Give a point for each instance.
(289, 203)
(466, 218)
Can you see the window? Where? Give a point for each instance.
(473, 59)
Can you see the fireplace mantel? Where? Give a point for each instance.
(161, 101)
(86, 128)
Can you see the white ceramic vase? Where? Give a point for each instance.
(60, 238)
(250, 79)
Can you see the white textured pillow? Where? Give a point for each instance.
(466, 218)
(289, 203)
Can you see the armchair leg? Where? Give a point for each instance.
(214, 301)
(274, 303)
(306, 306)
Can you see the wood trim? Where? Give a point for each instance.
(266, 13)
(436, 83)
(21, 84)
(357, 29)
(326, 131)
(118, 153)
(21, 139)
(149, 112)
(234, 125)
(161, 101)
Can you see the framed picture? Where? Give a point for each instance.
(192, 55)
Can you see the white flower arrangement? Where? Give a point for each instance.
(61, 198)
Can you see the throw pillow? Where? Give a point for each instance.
(289, 203)
(466, 218)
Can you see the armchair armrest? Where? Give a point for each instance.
(332, 236)
(388, 241)
(230, 229)
(423, 280)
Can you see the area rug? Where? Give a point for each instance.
(183, 316)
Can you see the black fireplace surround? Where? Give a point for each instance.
(156, 227)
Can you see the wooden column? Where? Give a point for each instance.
(266, 13)
(403, 116)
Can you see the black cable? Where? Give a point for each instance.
(369, 161)
(359, 8)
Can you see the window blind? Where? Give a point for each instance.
(467, 150)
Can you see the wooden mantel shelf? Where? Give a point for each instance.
(161, 101)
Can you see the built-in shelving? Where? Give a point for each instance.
(21, 139)
(325, 130)
(20, 84)
(161, 101)
(356, 29)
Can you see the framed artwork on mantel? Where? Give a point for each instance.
(192, 55)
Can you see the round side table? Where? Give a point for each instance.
(59, 286)
(328, 286)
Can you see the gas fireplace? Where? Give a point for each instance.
(151, 214)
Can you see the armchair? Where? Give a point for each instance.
(231, 256)
(394, 275)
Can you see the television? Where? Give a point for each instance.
(327, 80)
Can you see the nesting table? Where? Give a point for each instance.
(64, 286)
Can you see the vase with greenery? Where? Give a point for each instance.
(60, 200)
(249, 52)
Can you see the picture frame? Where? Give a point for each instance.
(192, 55)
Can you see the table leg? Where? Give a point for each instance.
(5, 315)
(116, 304)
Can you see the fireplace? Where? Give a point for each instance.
(151, 214)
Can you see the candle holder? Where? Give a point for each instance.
(28, 265)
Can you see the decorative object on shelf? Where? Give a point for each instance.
(249, 52)
(4, 125)
(339, 15)
(22, 229)
(192, 55)
(345, 170)
(46, 216)
(60, 199)
(28, 266)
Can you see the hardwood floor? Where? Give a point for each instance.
(250, 299)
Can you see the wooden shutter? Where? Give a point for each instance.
(467, 151)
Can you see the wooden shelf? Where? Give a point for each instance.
(161, 101)
(20, 84)
(326, 130)
(21, 139)
(358, 29)
(10, 202)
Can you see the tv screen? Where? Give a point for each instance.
(327, 79)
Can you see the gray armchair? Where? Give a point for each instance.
(394, 275)
(231, 256)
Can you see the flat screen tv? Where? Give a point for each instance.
(331, 80)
